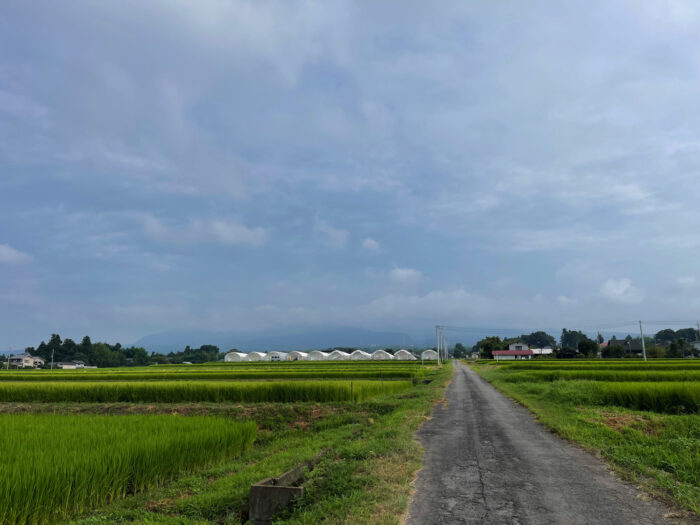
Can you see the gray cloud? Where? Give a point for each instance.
(553, 147)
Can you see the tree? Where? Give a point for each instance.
(486, 346)
(567, 353)
(656, 351)
(588, 347)
(613, 351)
(600, 339)
(679, 348)
(460, 351)
(689, 334)
(539, 339)
(571, 338)
(665, 336)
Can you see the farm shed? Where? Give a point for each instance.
(258, 356)
(404, 355)
(338, 355)
(317, 355)
(429, 355)
(278, 356)
(504, 355)
(235, 357)
(547, 350)
(382, 355)
(298, 356)
(360, 355)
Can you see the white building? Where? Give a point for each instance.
(360, 355)
(429, 355)
(547, 350)
(404, 355)
(517, 346)
(235, 357)
(258, 356)
(298, 356)
(317, 355)
(278, 356)
(382, 355)
(338, 355)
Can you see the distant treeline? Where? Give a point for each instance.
(574, 343)
(105, 355)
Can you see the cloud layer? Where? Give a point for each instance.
(247, 165)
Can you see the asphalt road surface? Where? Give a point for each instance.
(488, 461)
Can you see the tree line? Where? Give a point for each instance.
(105, 355)
(574, 343)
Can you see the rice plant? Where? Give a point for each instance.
(656, 397)
(54, 466)
(196, 391)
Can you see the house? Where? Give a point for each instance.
(631, 345)
(506, 355)
(25, 361)
(517, 346)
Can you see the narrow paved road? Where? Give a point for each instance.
(488, 461)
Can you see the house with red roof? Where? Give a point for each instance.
(504, 355)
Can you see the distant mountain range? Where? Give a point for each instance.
(176, 340)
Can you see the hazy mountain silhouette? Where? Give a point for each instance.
(175, 340)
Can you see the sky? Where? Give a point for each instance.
(253, 165)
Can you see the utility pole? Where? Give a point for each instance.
(644, 348)
(52, 351)
(437, 342)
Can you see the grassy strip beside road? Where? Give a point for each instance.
(639, 427)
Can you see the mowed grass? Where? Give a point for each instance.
(54, 466)
(200, 391)
(643, 420)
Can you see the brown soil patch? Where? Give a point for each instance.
(619, 422)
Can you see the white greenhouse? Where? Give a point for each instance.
(298, 356)
(404, 355)
(429, 355)
(235, 357)
(338, 355)
(278, 356)
(360, 355)
(258, 356)
(382, 355)
(317, 355)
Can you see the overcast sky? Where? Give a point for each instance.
(253, 165)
